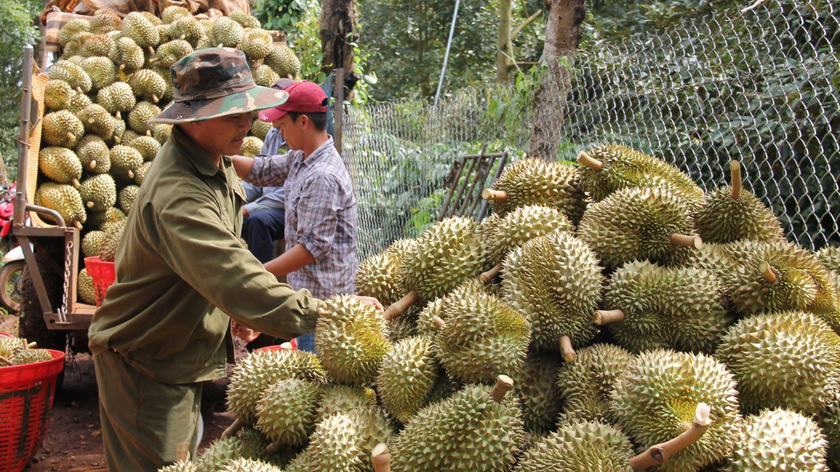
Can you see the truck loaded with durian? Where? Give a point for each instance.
(86, 143)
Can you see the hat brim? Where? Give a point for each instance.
(257, 98)
(272, 114)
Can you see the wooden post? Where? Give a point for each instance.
(504, 42)
(338, 109)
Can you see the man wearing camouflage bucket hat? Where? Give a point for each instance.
(182, 272)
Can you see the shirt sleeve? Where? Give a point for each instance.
(201, 249)
(273, 199)
(270, 171)
(317, 212)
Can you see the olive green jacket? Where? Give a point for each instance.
(182, 273)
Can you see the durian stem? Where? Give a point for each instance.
(117, 139)
(122, 66)
(155, 98)
(503, 384)
(32, 345)
(497, 195)
(381, 458)
(148, 132)
(660, 453)
(569, 354)
(397, 308)
(233, 429)
(75, 182)
(79, 90)
(183, 37)
(274, 448)
(603, 317)
(89, 204)
(151, 50)
(686, 241)
(92, 164)
(118, 115)
(491, 274)
(586, 160)
(287, 346)
(77, 225)
(438, 322)
(153, 60)
(3, 360)
(70, 136)
(220, 45)
(735, 169)
(768, 273)
(130, 174)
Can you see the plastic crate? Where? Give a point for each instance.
(280, 347)
(103, 274)
(26, 399)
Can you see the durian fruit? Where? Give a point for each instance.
(117, 98)
(64, 199)
(260, 370)
(140, 175)
(283, 61)
(657, 399)
(147, 85)
(130, 135)
(256, 43)
(300, 463)
(343, 399)
(260, 128)
(58, 94)
(62, 128)
(171, 52)
(127, 55)
(99, 192)
(101, 71)
(407, 375)
(101, 220)
(111, 240)
(127, 196)
(652, 307)
(518, 227)
(94, 154)
(445, 255)
(638, 224)
(78, 102)
(91, 242)
(61, 165)
(787, 360)
(286, 412)
(379, 276)
(535, 384)
(11, 346)
(829, 256)
(246, 445)
(829, 421)
(731, 214)
(72, 28)
(72, 74)
(32, 356)
(351, 339)
(538, 182)
(141, 29)
(481, 338)
(147, 145)
(138, 118)
(584, 385)
(473, 430)
(251, 146)
(98, 121)
(249, 465)
(779, 440)
(119, 130)
(427, 324)
(85, 289)
(580, 446)
(265, 76)
(344, 441)
(188, 29)
(105, 21)
(226, 32)
(173, 13)
(555, 281)
(611, 167)
(125, 160)
(161, 132)
(97, 45)
(244, 19)
(180, 466)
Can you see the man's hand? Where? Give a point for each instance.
(244, 211)
(243, 333)
(370, 301)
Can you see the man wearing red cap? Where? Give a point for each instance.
(320, 207)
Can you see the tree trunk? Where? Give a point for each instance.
(339, 30)
(502, 60)
(562, 37)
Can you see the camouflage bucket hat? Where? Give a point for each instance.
(215, 82)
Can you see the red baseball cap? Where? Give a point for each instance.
(304, 97)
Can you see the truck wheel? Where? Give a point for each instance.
(10, 285)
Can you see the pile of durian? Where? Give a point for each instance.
(642, 324)
(111, 79)
(16, 351)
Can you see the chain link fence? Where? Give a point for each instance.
(761, 86)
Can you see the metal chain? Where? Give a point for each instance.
(68, 252)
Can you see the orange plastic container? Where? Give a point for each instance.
(103, 274)
(26, 399)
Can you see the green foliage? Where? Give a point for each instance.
(283, 14)
(306, 42)
(16, 31)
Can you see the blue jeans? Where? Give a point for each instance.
(306, 342)
(260, 229)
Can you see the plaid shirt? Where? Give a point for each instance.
(320, 215)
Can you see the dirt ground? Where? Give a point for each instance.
(73, 442)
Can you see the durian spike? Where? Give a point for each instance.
(491, 274)
(3, 360)
(155, 98)
(32, 345)
(439, 323)
(75, 182)
(660, 453)
(397, 308)
(233, 429)
(77, 225)
(490, 194)
(767, 273)
(70, 136)
(586, 160)
(381, 458)
(603, 317)
(274, 448)
(569, 354)
(686, 241)
(118, 115)
(503, 384)
(735, 169)
(89, 204)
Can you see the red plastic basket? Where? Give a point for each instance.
(26, 399)
(279, 347)
(103, 274)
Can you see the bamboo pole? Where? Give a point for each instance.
(660, 453)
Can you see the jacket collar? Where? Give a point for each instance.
(194, 153)
(319, 153)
